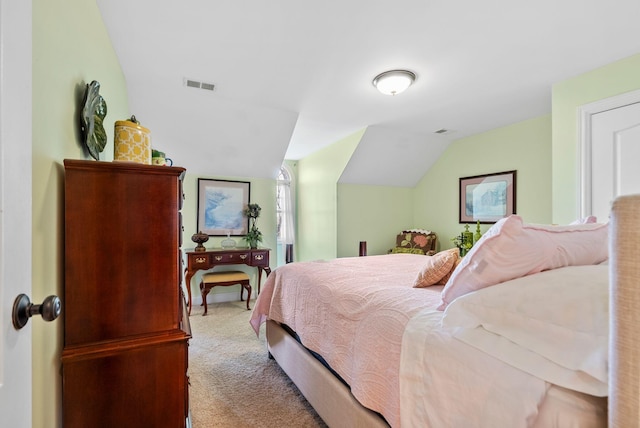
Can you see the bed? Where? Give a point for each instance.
(514, 334)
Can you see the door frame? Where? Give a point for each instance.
(585, 117)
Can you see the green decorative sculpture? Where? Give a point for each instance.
(478, 234)
(467, 236)
(94, 110)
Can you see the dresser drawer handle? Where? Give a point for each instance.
(201, 259)
(218, 258)
(259, 256)
(243, 256)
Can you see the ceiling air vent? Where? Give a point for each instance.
(201, 85)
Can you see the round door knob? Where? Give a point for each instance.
(23, 309)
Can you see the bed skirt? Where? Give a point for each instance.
(329, 396)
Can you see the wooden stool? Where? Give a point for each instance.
(212, 279)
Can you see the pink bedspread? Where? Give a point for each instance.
(353, 312)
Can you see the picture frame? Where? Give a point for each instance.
(220, 207)
(487, 198)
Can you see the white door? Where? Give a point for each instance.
(15, 208)
(615, 156)
(609, 152)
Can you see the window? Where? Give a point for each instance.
(285, 203)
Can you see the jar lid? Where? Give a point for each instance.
(130, 124)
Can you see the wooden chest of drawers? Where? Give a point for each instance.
(126, 329)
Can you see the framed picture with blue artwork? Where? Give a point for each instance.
(487, 198)
(220, 206)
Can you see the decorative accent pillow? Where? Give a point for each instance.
(417, 240)
(435, 268)
(445, 279)
(511, 249)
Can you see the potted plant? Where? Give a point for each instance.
(252, 212)
(463, 244)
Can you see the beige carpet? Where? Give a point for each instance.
(233, 382)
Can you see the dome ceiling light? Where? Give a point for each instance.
(393, 82)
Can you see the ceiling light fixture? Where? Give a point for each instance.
(393, 82)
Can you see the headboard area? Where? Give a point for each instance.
(624, 345)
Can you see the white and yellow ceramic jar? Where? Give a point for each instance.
(132, 142)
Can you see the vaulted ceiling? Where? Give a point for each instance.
(293, 76)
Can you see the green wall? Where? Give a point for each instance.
(524, 147)
(318, 176)
(332, 219)
(613, 79)
(70, 48)
(375, 214)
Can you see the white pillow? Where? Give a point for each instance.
(554, 325)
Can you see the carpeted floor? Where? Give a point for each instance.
(233, 382)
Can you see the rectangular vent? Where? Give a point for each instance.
(200, 85)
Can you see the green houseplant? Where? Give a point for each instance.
(463, 243)
(252, 212)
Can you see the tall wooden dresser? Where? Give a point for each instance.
(126, 330)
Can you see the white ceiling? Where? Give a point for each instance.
(292, 76)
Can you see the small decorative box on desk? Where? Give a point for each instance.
(206, 260)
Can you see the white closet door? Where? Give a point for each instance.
(615, 157)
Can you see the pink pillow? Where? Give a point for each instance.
(436, 268)
(511, 249)
(444, 279)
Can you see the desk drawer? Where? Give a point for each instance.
(198, 260)
(260, 258)
(235, 257)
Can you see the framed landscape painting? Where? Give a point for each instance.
(220, 206)
(487, 198)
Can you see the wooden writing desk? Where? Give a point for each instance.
(205, 260)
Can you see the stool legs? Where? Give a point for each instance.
(205, 288)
